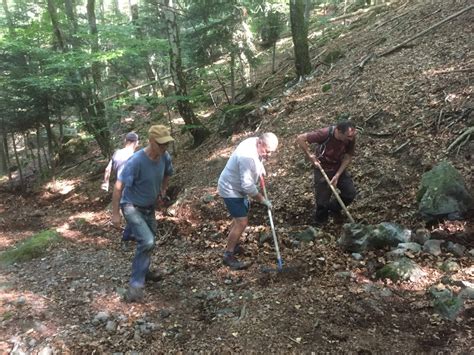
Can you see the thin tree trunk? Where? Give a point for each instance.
(232, 77)
(198, 131)
(273, 57)
(38, 150)
(17, 159)
(3, 160)
(7, 155)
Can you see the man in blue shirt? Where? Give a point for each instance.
(142, 182)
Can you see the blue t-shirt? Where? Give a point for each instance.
(142, 178)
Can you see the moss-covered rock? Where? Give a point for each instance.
(443, 193)
(402, 269)
(31, 248)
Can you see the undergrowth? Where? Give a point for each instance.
(31, 248)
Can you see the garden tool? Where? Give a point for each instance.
(336, 195)
(275, 240)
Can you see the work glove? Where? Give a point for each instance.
(267, 203)
(105, 186)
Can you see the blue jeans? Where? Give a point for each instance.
(127, 234)
(143, 225)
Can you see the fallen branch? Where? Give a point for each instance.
(399, 148)
(465, 135)
(393, 19)
(358, 12)
(319, 55)
(463, 70)
(372, 116)
(350, 86)
(364, 60)
(426, 31)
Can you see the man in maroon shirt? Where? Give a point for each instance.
(334, 151)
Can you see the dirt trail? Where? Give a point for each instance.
(409, 107)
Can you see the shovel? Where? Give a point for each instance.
(336, 195)
(275, 240)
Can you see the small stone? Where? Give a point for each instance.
(111, 326)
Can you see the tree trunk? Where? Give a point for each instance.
(198, 131)
(17, 159)
(38, 150)
(232, 77)
(3, 159)
(273, 57)
(299, 32)
(88, 103)
(7, 155)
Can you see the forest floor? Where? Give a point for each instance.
(409, 107)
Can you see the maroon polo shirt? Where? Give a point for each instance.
(335, 149)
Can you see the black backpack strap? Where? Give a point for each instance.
(322, 146)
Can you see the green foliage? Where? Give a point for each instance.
(233, 118)
(326, 87)
(31, 248)
(271, 30)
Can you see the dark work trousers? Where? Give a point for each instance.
(324, 202)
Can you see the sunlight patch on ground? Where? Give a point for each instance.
(223, 153)
(74, 233)
(178, 121)
(62, 187)
(9, 240)
(113, 303)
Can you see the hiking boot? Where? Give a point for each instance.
(337, 217)
(133, 294)
(320, 222)
(239, 250)
(153, 276)
(230, 261)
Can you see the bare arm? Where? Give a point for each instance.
(117, 194)
(302, 142)
(108, 170)
(164, 185)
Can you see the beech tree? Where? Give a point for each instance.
(299, 32)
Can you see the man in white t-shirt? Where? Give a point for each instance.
(237, 182)
(116, 165)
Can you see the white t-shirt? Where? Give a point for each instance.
(242, 171)
(119, 159)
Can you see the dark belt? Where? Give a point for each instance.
(146, 208)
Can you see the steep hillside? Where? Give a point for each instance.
(409, 107)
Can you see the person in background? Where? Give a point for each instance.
(138, 189)
(237, 182)
(334, 151)
(116, 165)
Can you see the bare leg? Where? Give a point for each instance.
(237, 228)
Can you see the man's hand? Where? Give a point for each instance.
(105, 186)
(267, 203)
(163, 201)
(315, 161)
(116, 220)
(335, 180)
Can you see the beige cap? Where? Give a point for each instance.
(160, 134)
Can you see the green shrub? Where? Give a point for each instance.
(326, 87)
(31, 248)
